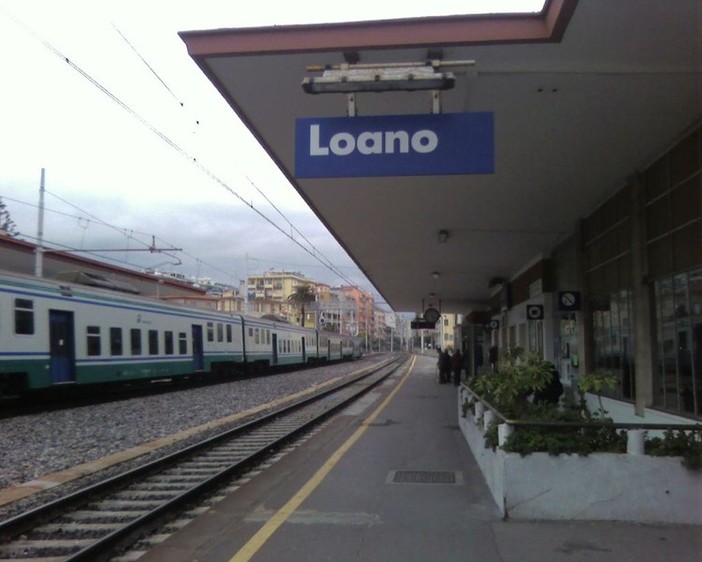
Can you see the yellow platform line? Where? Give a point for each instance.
(255, 543)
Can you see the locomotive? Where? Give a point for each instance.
(56, 334)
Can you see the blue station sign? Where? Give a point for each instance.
(395, 145)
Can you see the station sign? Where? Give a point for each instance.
(395, 145)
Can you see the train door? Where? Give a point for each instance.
(62, 353)
(198, 348)
(274, 355)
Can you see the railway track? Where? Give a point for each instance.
(99, 521)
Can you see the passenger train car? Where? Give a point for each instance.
(54, 333)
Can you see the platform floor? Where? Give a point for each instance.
(392, 480)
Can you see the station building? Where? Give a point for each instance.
(572, 227)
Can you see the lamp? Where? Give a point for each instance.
(435, 274)
(443, 236)
(412, 76)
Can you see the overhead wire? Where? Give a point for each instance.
(251, 182)
(121, 230)
(166, 139)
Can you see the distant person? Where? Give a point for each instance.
(456, 366)
(444, 367)
(551, 393)
(492, 357)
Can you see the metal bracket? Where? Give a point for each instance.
(436, 101)
(351, 99)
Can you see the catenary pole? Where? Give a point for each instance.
(39, 251)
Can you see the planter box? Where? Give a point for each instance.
(598, 487)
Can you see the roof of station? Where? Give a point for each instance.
(583, 94)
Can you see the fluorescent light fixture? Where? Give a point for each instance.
(351, 78)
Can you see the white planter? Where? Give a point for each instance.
(598, 487)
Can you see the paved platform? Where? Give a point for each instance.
(391, 479)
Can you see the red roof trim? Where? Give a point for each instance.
(22, 246)
(546, 26)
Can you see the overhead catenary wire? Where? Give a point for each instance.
(313, 251)
(132, 235)
(133, 48)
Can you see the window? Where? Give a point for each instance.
(612, 335)
(229, 333)
(168, 342)
(210, 331)
(251, 332)
(115, 341)
(678, 368)
(93, 340)
(268, 337)
(182, 343)
(257, 333)
(24, 317)
(135, 341)
(153, 342)
(220, 332)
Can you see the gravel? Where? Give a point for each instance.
(40, 444)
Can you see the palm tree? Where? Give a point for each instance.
(303, 294)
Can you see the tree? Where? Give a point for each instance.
(303, 294)
(7, 225)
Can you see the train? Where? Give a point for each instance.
(55, 333)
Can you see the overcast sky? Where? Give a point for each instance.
(98, 130)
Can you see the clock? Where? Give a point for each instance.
(431, 315)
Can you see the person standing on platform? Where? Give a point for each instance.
(444, 367)
(457, 366)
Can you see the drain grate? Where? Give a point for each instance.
(423, 477)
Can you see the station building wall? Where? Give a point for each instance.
(636, 263)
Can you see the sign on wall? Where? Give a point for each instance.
(395, 145)
(569, 300)
(535, 311)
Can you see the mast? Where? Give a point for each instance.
(39, 251)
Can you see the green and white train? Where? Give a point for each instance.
(54, 333)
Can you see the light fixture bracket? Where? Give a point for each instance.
(383, 77)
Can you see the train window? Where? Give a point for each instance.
(153, 342)
(93, 340)
(257, 332)
(24, 316)
(229, 333)
(135, 341)
(220, 331)
(115, 341)
(182, 343)
(268, 336)
(210, 331)
(250, 332)
(168, 342)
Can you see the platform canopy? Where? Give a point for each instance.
(582, 96)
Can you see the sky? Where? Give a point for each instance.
(138, 148)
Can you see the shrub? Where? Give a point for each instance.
(519, 375)
(685, 444)
(600, 437)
